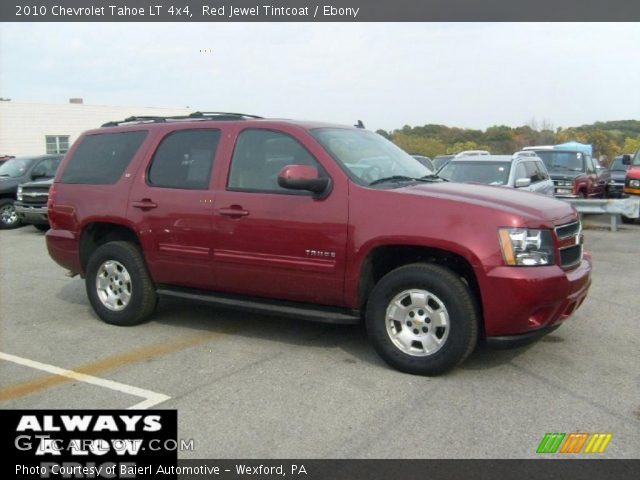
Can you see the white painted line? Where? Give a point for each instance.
(150, 398)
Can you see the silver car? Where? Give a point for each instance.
(522, 170)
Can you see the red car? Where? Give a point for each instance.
(313, 221)
(632, 180)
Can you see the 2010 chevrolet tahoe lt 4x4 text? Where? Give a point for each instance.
(315, 221)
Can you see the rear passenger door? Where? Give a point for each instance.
(171, 204)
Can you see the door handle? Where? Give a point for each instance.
(233, 211)
(144, 204)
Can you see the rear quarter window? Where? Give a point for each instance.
(102, 159)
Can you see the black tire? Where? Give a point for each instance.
(8, 217)
(628, 219)
(42, 227)
(453, 293)
(143, 298)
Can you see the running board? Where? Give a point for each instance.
(302, 311)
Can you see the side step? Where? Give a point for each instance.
(302, 311)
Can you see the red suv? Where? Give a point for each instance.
(314, 221)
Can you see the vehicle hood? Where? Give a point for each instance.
(634, 172)
(9, 184)
(530, 207)
(45, 182)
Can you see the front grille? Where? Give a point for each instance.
(570, 244)
(571, 256)
(568, 230)
(35, 195)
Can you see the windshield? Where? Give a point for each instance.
(15, 167)
(618, 166)
(489, 173)
(368, 157)
(572, 161)
(636, 159)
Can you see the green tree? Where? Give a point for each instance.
(631, 145)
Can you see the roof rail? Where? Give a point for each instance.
(217, 115)
(178, 118)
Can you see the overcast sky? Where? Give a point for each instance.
(471, 75)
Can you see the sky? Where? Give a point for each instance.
(468, 75)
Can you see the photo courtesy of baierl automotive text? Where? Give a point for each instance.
(349, 240)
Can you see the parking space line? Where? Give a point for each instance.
(118, 360)
(150, 398)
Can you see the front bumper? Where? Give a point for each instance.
(34, 214)
(523, 300)
(513, 341)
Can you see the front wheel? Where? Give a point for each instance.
(422, 319)
(118, 284)
(8, 216)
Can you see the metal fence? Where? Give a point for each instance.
(629, 207)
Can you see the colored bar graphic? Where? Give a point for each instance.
(598, 443)
(550, 443)
(574, 442)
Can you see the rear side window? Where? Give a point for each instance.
(184, 159)
(102, 159)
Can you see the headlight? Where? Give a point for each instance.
(634, 183)
(19, 194)
(526, 247)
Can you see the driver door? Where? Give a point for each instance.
(272, 242)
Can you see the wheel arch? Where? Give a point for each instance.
(97, 233)
(384, 258)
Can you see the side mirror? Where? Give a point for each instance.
(626, 159)
(302, 177)
(523, 182)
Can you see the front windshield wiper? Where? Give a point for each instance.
(397, 178)
(433, 177)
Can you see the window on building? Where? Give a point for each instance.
(57, 144)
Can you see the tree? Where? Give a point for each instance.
(631, 145)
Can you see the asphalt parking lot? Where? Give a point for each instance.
(248, 386)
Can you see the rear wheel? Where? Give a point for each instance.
(42, 227)
(628, 219)
(8, 215)
(422, 319)
(118, 284)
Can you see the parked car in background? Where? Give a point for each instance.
(632, 180)
(521, 171)
(426, 161)
(31, 203)
(618, 174)
(441, 160)
(472, 153)
(575, 173)
(17, 171)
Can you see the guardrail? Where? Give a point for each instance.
(629, 207)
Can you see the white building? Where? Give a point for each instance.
(41, 128)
